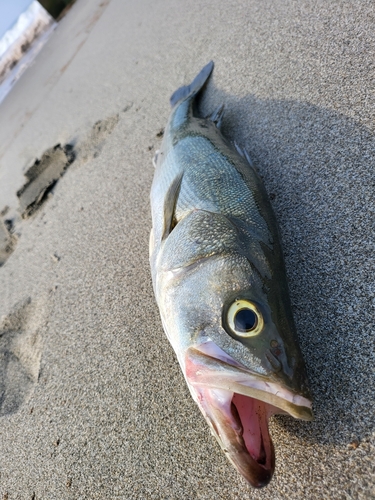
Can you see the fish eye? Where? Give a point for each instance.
(244, 318)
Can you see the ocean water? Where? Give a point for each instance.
(20, 45)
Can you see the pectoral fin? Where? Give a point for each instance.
(170, 202)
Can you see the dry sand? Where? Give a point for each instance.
(93, 403)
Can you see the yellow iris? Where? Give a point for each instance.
(245, 319)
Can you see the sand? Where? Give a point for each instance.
(93, 404)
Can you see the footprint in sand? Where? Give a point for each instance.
(20, 353)
(91, 146)
(7, 239)
(44, 174)
(20, 338)
(42, 177)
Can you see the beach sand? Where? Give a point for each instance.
(93, 402)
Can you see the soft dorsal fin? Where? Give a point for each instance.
(170, 202)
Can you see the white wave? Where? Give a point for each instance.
(24, 21)
(20, 45)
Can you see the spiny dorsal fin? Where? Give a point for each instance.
(244, 154)
(217, 116)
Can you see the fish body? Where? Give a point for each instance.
(220, 284)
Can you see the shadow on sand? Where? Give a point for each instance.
(318, 166)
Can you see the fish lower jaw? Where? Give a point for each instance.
(240, 425)
(237, 404)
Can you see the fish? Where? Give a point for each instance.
(220, 283)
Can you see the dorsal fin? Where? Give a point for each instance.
(244, 154)
(217, 116)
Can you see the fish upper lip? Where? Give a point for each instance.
(202, 369)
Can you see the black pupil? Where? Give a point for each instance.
(245, 320)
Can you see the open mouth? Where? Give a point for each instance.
(238, 404)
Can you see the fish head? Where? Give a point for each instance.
(234, 336)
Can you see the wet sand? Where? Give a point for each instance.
(93, 403)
